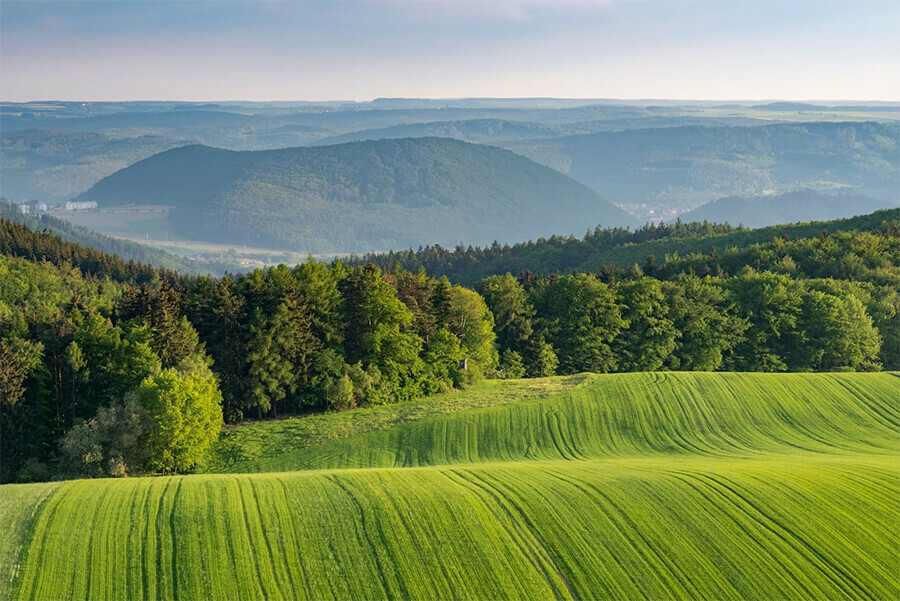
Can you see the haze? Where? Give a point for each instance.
(362, 50)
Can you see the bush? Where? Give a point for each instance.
(113, 443)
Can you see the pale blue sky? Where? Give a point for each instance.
(289, 50)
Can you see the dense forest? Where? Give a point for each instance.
(604, 249)
(110, 368)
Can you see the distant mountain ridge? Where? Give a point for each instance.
(359, 196)
(803, 205)
(681, 168)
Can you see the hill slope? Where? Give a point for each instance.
(358, 196)
(667, 414)
(701, 486)
(684, 167)
(803, 205)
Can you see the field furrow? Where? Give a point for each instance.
(629, 487)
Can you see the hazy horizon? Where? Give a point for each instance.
(357, 51)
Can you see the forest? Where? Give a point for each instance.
(110, 367)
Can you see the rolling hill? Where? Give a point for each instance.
(803, 205)
(51, 165)
(681, 168)
(631, 486)
(358, 196)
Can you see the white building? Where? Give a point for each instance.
(81, 206)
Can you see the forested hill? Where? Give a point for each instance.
(359, 196)
(683, 167)
(609, 249)
(762, 211)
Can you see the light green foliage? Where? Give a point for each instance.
(783, 486)
(473, 323)
(185, 418)
(18, 358)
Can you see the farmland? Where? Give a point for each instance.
(631, 486)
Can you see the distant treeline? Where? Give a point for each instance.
(97, 353)
(611, 248)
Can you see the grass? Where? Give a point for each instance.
(633, 486)
(278, 445)
(617, 415)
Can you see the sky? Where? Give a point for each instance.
(204, 50)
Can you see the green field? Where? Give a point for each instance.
(631, 486)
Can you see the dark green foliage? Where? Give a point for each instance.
(648, 336)
(705, 320)
(663, 250)
(580, 316)
(358, 196)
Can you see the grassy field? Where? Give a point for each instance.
(632, 486)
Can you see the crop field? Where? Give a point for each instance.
(631, 486)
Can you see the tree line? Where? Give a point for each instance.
(107, 368)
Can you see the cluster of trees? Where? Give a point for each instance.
(102, 377)
(92, 389)
(752, 322)
(545, 255)
(20, 240)
(318, 337)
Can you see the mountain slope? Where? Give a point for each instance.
(359, 196)
(53, 165)
(684, 167)
(803, 205)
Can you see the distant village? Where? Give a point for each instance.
(43, 207)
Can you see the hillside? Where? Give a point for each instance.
(358, 196)
(53, 165)
(635, 486)
(680, 168)
(605, 416)
(803, 205)
(28, 243)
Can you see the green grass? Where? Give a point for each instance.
(278, 445)
(633, 486)
(617, 415)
